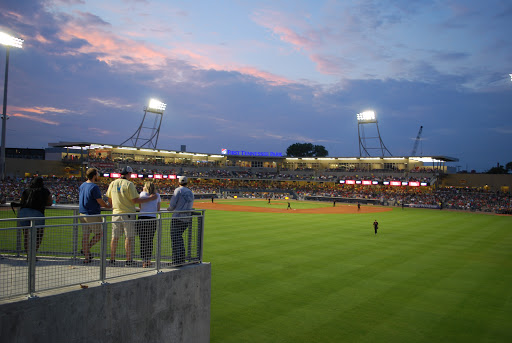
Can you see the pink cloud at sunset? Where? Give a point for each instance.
(113, 49)
(269, 77)
(203, 62)
(34, 118)
(39, 109)
(283, 30)
(289, 36)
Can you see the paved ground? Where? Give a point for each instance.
(55, 272)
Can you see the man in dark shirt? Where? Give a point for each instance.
(375, 225)
(34, 200)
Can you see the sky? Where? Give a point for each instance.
(262, 75)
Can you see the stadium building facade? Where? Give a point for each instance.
(109, 156)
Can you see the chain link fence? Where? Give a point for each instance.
(62, 249)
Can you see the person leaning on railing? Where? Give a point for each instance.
(90, 203)
(33, 202)
(147, 223)
(182, 200)
(123, 196)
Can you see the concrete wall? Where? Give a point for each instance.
(173, 306)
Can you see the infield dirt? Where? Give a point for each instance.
(339, 208)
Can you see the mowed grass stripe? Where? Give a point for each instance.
(327, 278)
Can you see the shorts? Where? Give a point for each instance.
(30, 212)
(90, 227)
(123, 221)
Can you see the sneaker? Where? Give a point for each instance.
(112, 261)
(129, 263)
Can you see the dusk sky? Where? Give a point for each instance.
(262, 75)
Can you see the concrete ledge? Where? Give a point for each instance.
(173, 306)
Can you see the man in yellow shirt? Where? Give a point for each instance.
(123, 196)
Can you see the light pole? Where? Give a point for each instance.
(150, 134)
(8, 41)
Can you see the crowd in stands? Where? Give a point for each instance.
(65, 190)
(249, 173)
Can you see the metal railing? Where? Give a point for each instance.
(48, 255)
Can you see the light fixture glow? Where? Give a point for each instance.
(367, 116)
(8, 40)
(426, 159)
(157, 105)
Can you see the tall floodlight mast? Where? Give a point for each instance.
(8, 41)
(365, 143)
(147, 136)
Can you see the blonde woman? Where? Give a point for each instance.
(146, 225)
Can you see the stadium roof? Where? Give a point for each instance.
(91, 145)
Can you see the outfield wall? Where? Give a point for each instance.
(343, 200)
(167, 307)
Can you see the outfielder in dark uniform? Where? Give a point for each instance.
(375, 225)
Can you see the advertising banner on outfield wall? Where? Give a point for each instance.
(435, 207)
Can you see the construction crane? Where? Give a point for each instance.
(418, 138)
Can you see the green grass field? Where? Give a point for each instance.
(428, 276)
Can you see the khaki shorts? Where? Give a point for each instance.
(90, 220)
(126, 222)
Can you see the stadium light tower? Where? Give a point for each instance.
(8, 41)
(147, 136)
(365, 118)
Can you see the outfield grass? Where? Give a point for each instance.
(428, 276)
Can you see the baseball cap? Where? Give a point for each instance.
(182, 179)
(126, 170)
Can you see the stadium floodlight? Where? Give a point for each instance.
(146, 136)
(363, 119)
(156, 105)
(8, 41)
(367, 117)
